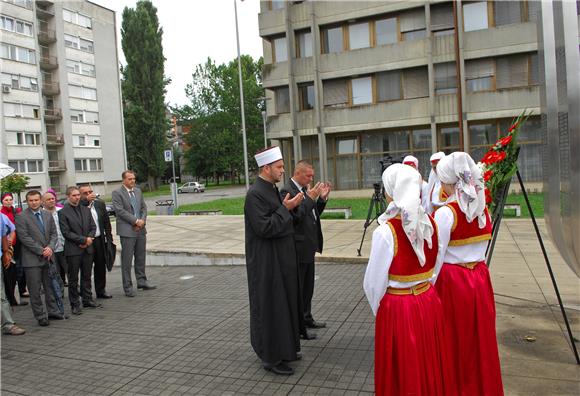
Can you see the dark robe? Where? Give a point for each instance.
(272, 274)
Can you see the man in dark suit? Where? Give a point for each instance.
(37, 233)
(78, 228)
(307, 230)
(102, 234)
(131, 213)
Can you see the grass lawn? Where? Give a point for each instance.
(359, 206)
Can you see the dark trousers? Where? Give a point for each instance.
(61, 265)
(100, 268)
(133, 247)
(306, 273)
(38, 284)
(84, 263)
(9, 276)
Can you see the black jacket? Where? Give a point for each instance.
(307, 229)
(103, 215)
(76, 229)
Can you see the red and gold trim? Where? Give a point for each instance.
(423, 276)
(396, 245)
(415, 290)
(467, 241)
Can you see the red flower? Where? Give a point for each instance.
(487, 175)
(493, 156)
(514, 126)
(487, 196)
(505, 140)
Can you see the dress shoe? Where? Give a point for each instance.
(91, 304)
(57, 316)
(130, 293)
(104, 295)
(315, 325)
(14, 330)
(146, 286)
(76, 310)
(280, 368)
(43, 322)
(308, 336)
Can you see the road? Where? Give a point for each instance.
(208, 195)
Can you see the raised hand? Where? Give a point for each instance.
(314, 192)
(325, 190)
(294, 202)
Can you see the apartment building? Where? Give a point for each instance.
(61, 102)
(349, 83)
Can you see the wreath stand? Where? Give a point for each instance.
(497, 217)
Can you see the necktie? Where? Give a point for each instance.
(40, 222)
(133, 202)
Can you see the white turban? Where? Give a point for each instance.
(412, 161)
(267, 156)
(402, 185)
(460, 170)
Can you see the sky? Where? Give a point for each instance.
(194, 30)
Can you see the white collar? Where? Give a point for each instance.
(296, 184)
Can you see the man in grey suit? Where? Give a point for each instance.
(131, 213)
(37, 233)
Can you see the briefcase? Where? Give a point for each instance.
(111, 254)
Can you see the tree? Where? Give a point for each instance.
(143, 88)
(14, 183)
(215, 141)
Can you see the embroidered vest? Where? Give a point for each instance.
(405, 266)
(464, 233)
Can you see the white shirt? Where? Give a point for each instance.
(60, 240)
(435, 201)
(376, 279)
(96, 219)
(305, 195)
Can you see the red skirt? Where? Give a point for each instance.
(469, 309)
(411, 355)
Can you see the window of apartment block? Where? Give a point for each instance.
(96, 165)
(445, 78)
(88, 165)
(20, 3)
(16, 81)
(306, 92)
(30, 139)
(19, 166)
(277, 4)
(27, 166)
(359, 35)
(20, 110)
(386, 31)
(389, 86)
(86, 45)
(332, 40)
(96, 142)
(530, 143)
(442, 19)
(534, 7)
(346, 146)
(512, 71)
(534, 69)
(280, 49)
(282, 100)
(78, 43)
(448, 138)
(481, 137)
(34, 166)
(91, 117)
(507, 12)
(82, 141)
(76, 18)
(362, 90)
(479, 74)
(413, 24)
(335, 92)
(77, 67)
(16, 53)
(77, 91)
(415, 83)
(304, 41)
(475, 16)
(15, 25)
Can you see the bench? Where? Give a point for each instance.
(515, 207)
(201, 212)
(346, 210)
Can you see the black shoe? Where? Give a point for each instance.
(315, 325)
(298, 357)
(147, 286)
(43, 322)
(104, 295)
(57, 316)
(91, 304)
(308, 336)
(280, 368)
(76, 310)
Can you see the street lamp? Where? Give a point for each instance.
(247, 173)
(264, 116)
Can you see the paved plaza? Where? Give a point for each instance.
(191, 335)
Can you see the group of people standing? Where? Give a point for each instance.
(64, 245)
(429, 286)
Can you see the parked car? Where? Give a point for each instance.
(191, 187)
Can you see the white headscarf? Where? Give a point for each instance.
(411, 161)
(459, 169)
(433, 179)
(402, 184)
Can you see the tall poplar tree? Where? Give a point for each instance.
(144, 91)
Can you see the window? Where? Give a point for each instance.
(15, 25)
(481, 137)
(448, 138)
(86, 45)
(335, 93)
(442, 19)
(19, 54)
(27, 166)
(415, 83)
(282, 100)
(84, 21)
(346, 146)
(362, 90)
(359, 36)
(20, 110)
(76, 91)
(389, 86)
(76, 18)
(479, 74)
(80, 68)
(30, 139)
(20, 3)
(88, 165)
(89, 117)
(475, 16)
(17, 81)
(96, 164)
(19, 166)
(306, 96)
(277, 4)
(507, 12)
(512, 71)
(332, 40)
(386, 31)
(96, 142)
(445, 78)
(78, 43)
(413, 24)
(280, 49)
(304, 48)
(82, 141)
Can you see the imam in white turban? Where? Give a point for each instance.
(269, 155)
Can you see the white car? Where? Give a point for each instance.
(191, 187)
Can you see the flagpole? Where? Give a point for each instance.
(242, 101)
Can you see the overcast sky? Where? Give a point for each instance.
(194, 31)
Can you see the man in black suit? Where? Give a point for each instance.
(102, 234)
(307, 230)
(78, 228)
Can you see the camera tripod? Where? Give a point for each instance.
(380, 205)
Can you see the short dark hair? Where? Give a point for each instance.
(84, 185)
(126, 172)
(33, 192)
(70, 189)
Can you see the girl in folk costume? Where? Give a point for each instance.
(411, 355)
(435, 196)
(464, 284)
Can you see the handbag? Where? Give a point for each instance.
(110, 254)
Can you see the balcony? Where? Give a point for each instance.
(44, 11)
(54, 139)
(50, 88)
(57, 166)
(44, 3)
(48, 62)
(504, 102)
(47, 36)
(52, 114)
